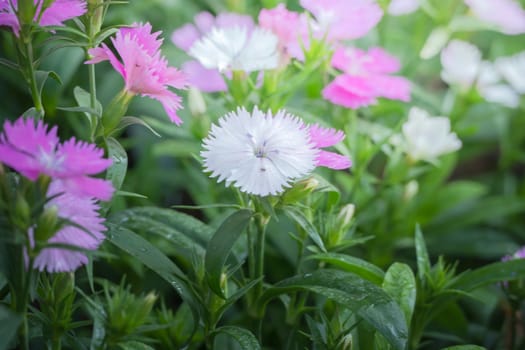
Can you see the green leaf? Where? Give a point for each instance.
(296, 215)
(134, 345)
(400, 284)
(423, 261)
(117, 172)
(465, 347)
(9, 64)
(351, 264)
(220, 245)
(490, 274)
(85, 110)
(83, 99)
(130, 120)
(244, 337)
(154, 259)
(359, 295)
(41, 78)
(9, 323)
(325, 186)
(32, 113)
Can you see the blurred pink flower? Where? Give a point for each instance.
(507, 15)
(34, 150)
(207, 80)
(519, 254)
(402, 7)
(58, 12)
(326, 137)
(343, 20)
(144, 69)
(365, 78)
(287, 25)
(82, 211)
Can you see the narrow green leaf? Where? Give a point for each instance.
(83, 99)
(423, 261)
(41, 78)
(490, 274)
(244, 337)
(221, 244)
(134, 345)
(296, 215)
(9, 64)
(32, 113)
(465, 347)
(154, 259)
(351, 264)
(130, 120)
(117, 172)
(400, 284)
(359, 295)
(9, 323)
(86, 110)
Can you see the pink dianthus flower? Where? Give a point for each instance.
(34, 150)
(207, 80)
(326, 137)
(365, 78)
(58, 12)
(82, 211)
(144, 69)
(286, 25)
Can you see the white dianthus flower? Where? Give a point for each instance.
(513, 70)
(461, 62)
(426, 137)
(258, 152)
(237, 49)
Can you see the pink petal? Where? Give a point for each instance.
(204, 79)
(394, 88)
(171, 103)
(62, 10)
(185, 36)
(325, 137)
(81, 158)
(350, 91)
(282, 22)
(85, 186)
(333, 160)
(204, 21)
(23, 163)
(230, 19)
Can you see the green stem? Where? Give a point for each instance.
(259, 254)
(31, 76)
(93, 101)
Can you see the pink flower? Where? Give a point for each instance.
(82, 211)
(343, 20)
(57, 13)
(144, 69)
(519, 254)
(207, 80)
(365, 78)
(507, 15)
(326, 137)
(34, 150)
(287, 25)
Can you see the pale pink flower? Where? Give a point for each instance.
(365, 78)
(519, 254)
(81, 211)
(507, 15)
(207, 80)
(144, 69)
(34, 150)
(286, 25)
(57, 13)
(326, 137)
(402, 7)
(343, 20)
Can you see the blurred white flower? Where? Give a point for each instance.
(491, 89)
(506, 15)
(236, 48)
(426, 137)
(258, 152)
(461, 63)
(402, 7)
(513, 70)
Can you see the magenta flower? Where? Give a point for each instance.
(58, 12)
(519, 254)
(82, 211)
(507, 15)
(207, 80)
(365, 78)
(287, 25)
(326, 137)
(34, 150)
(343, 20)
(144, 69)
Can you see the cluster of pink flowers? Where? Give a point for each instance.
(365, 78)
(58, 12)
(34, 150)
(144, 69)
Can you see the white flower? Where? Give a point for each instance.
(492, 90)
(426, 137)
(259, 153)
(505, 15)
(237, 49)
(513, 70)
(461, 63)
(402, 7)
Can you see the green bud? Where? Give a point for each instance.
(196, 102)
(301, 189)
(26, 13)
(411, 189)
(95, 14)
(340, 226)
(22, 213)
(116, 109)
(47, 224)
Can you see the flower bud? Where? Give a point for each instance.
(116, 109)
(340, 226)
(435, 42)
(196, 102)
(411, 190)
(300, 190)
(47, 224)
(22, 213)
(95, 13)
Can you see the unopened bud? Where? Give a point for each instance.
(116, 110)
(196, 102)
(411, 190)
(437, 39)
(22, 215)
(345, 216)
(47, 224)
(300, 190)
